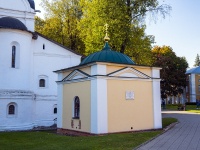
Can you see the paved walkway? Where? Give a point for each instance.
(183, 136)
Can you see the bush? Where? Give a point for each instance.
(190, 103)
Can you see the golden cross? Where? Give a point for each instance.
(106, 38)
(106, 27)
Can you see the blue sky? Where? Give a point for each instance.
(180, 30)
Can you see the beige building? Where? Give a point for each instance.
(108, 93)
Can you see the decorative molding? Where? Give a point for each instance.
(75, 75)
(28, 95)
(129, 72)
(51, 55)
(17, 94)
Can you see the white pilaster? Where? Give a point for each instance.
(99, 118)
(60, 102)
(156, 99)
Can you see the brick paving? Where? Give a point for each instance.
(183, 136)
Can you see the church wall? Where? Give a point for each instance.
(47, 58)
(19, 77)
(35, 59)
(22, 120)
(136, 114)
(69, 93)
(44, 111)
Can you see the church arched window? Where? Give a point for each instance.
(42, 83)
(55, 108)
(15, 55)
(76, 107)
(12, 109)
(13, 60)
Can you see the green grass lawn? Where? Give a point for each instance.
(47, 140)
(189, 108)
(192, 108)
(168, 121)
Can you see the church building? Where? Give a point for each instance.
(108, 93)
(28, 91)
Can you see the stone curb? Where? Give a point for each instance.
(164, 130)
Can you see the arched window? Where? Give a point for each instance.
(11, 109)
(55, 110)
(42, 83)
(76, 107)
(13, 57)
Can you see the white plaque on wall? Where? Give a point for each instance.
(129, 95)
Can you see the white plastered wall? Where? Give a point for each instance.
(34, 61)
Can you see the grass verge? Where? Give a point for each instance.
(167, 121)
(189, 108)
(51, 141)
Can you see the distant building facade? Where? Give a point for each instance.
(193, 84)
(28, 91)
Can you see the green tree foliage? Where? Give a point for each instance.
(173, 78)
(60, 23)
(126, 30)
(79, 25)
(197, 61)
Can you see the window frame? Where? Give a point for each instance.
(42, 83)
(13, 57)
(55, 110)
(45, 78)
(14, 114)
(76, 108)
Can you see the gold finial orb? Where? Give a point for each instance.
(106, 38)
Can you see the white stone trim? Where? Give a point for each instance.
(99, 114)
(132, 73)
(60, 103)
(75, 75)
(156, 100)
(157, 105)
(51, 55)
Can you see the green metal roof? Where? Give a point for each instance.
(108, 55)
